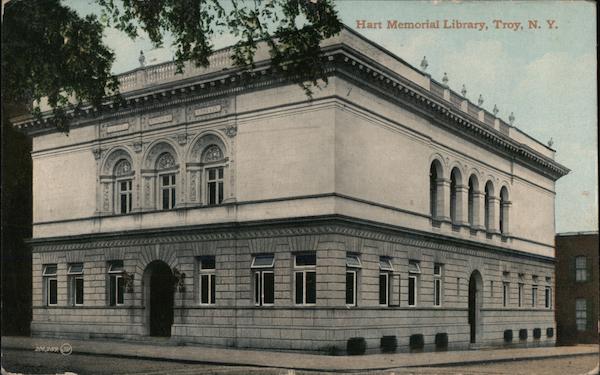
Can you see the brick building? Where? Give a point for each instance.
(230, 209)
(577, 288)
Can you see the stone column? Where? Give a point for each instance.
(493, 215)
(478, 210)
(443, 199)
(462, 205)
(505, 207)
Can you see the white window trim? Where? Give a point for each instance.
(505, 293)
(417, 266)
(48, 279)
(119, 192)
(211, 273)
(416, 288)
(70, 272)
(253, 265)
(355, 282)
(207, 167)
(355, 257)
(261, 274)
(437, 285)
(387, 288)
(303, 272)
(548, 299)
(388, 267)
(306, 266)
(520, 292)
(117, 276)
(585, 314)
(170, 187)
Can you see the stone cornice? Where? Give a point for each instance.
(309, 226)
(340, 60)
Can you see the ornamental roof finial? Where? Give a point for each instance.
(463, 91)
(495, 110)
(511, 118)
(550, 142)
(445, 79)
(480, 100)
(142, 59)
(424, 63)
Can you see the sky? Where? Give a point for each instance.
(546, 76)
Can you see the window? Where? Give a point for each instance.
(50, 284)
(207, 280)
(505, 293)
(123, 173)
(353, 264)
(581, 314)
(471, 200)
(116, 292)
(264, 279)
(548, 297)
(305, 277)
(580, 268)
(504, 207)
(437, 285)
(414, 270)
(167, 191)
(520, 296)
(487, 205)
(534, 291)
(385, 273)
(75, 280)
(453, 195)
(215, 185)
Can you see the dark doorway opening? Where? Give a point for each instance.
(160, 298)
(475, 301)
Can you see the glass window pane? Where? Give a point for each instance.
(414, 267)
(306, 260)
(165, 180)
(411, 291)
(437, 299)
(269, 287)
(115, 266)
(220, 198)
(212, 199)
(50, 270)
(211, 174)
(385, 264)
(350, 288)
(123, 204)
(213, 290)
(165, 199)
(207, 263)
(129, 200)
(311, 287)
(173, 199)
(112, 288)
(353, 261)
(299, 287)
(75, 268)
(53, 292)
(79, 291)
(204, 288)
(257, 289)
(220, 173)
(120, 290)
(383, 289)
(263, 261)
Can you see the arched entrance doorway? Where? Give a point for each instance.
(158, 292)
(475, 303)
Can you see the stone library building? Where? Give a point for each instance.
(230, 209)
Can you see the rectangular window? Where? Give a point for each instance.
(520, 296)
(207, 280)
(580, 269)
(548, 297)
(385, 276)
(50, 284)
(505, 294)
(534, 291)
(581, 314)
(75, 279)
(264, 279)
(353, 265)
(412, 290)
(215, 185)
(305, 277)
(437, 285)
(167, 191)
(414, 269)
(116, 292)
(124, 199)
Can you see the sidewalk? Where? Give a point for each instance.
(297, 361)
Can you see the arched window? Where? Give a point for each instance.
(455, 199)
(489, 193)
(504, 207)
(123, 186)
(473, 186)
(167, 187)
(435, 173)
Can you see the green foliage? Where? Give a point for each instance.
(48, 50)
(292, 29)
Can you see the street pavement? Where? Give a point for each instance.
(147, 356)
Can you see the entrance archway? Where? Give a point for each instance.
(158, 292)
(475, 303)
